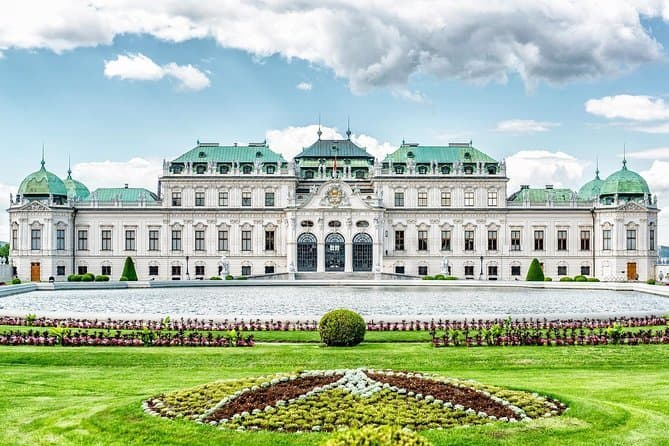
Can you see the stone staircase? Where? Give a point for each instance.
(334, 276)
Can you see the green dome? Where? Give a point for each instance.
(591, 190)
(75, 189)
(43, 183)
(625, 182)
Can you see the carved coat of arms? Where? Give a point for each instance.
(335, 196)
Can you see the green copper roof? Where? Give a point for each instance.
(75, 189)
(625, 182)
(591, 190)
(543, 195)
(323, 148)
(451, 153)
(124, 194)
(207, 152)
(341, 162)
(43, 183)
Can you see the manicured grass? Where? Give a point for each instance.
(92, 395)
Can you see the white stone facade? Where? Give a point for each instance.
(208, 223)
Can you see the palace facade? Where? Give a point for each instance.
(245, 210)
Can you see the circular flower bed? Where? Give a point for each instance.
(331, 400)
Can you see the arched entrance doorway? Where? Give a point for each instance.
(362, 252)
(335, 252)
(306, 252)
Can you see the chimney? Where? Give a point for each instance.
(126, 185)
(549, 186)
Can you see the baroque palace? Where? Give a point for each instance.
(245, 210)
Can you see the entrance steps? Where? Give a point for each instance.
(334, 276)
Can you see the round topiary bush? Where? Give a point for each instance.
(74, 278)
(102, 278)
(548, 279)
(88, 277)
(229, 277)
(439, 277)
(593, 279)
(566, 279)
(16, 281)
(650, 281)
(215, 278)
(342, 328)
(535, 273)
(580, 279)
(377, 436)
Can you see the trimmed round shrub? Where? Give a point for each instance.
(74, 278)
(593, 279)
(580, 279)
(548, 279)
(16, 281)
(535, 273)
(342, 328)
(566, 279)
(377, 436)
(215, 278)
(123, 279)
(102, 278)
(88, 277)
(229, 277)
(241, 278)
(439, 277)
(650, 281)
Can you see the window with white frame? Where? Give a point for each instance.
(246, 198)
(446, 240)
(199, 240)
(35, 239)
(246, 240)
(606, 239)
(199, 198)
(130, 240)
(631, 239)
(445, 198)
(154, 240)
(106, 239)
(223, 198)
(60, 239)
(515, 240)
(469, 198)
(492, 198)
(469, 240)
(223, 240)
(422, 198)
(492, 240)
(399, 199)
(82, 240)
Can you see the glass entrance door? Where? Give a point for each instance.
(362, 252)
(306, 252)
(334, 252)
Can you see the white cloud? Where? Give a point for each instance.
(140, 67)
(658, 182)
(409, 95)
(650, 154)
(524, 126)
(5, 190)
(370, 44)
(540, 167)
(305, 86)
(291, 140)
(136, 172)
(659, 128)
(625, 106)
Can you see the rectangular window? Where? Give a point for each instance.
(562, 240)
(246, 240)
(199, 198)
(515, 270)
(269, 240)
(223, 199)
(606, 239)
(153, 270)
(469, 270)
(106, 270)
(199, 270)
(445, 240)
(81, 270)
(631, 239)
(176, 270)
(585, 240)
(60, 239)
(223, 241)
(492, 240)
(422, 198)
(60, 270)
(106, 238)
(269, 269)
(269, 199)
(176, 199)
(422, 240)
(399, 199)
(492, 198)
(15, 238)
(469, 198)
(469, 240)
(246, 198)
(539, 240)
(585, 270)
(492, 271)
(199, 240)
(176, 240)
(445, 198)
(130, 240)
(515, 240)
(562, 271)
(246, 270)
(399, 269)
(651, 234)
(82, 240)
(35, 239)
(399, 240)
(154, 240)
(422, 270)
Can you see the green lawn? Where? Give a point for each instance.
(91, 396)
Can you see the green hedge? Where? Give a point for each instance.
(534, 272)
(548, 279)
(16, 281)
(215, 278)
(566, 279)
(580, 279)
(229, 277)
(74, 278)
(102, 278)
(342, 328)
(593, 279)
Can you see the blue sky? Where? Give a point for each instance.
(143, 80)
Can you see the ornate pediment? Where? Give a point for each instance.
(631, 206)
(335, 194)
(35, 206)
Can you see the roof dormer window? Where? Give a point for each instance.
(202, 155)
(399, 169)
(200, 169)
(247, 170)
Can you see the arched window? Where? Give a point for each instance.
(334, 224)
(306, 252)
(334, 252)
(362, 224)
(362, 252)
(307, 224)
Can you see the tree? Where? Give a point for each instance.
(535, 273)
(4, 251)
(129, 270)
